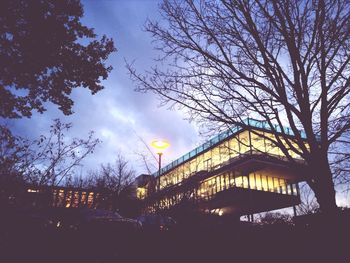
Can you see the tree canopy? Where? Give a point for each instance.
(283, 62)
(46, 52)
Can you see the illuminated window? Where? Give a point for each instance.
(200, 162)
(234, 147)
(222, 182)
(68, 199)
(239, 181)
(141, 192)
(54, 197)
(224, 152)
(210, 158)
(187, 170)
(244, 142)
(295, 190)
(270, 184)
(216, 160)
(90, 199)
(258, 142)
(252, 181)
(83, 198)
(75, 201)
(207, 164)
(60, 201)
(264, 183)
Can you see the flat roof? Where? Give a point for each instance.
(249, 122)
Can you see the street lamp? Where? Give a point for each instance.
(160, 146)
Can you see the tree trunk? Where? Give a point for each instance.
(323, 187)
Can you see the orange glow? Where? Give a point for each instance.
(160, 145)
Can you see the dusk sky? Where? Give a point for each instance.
(118, 114)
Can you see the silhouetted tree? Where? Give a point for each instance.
(114, 181)
(47, 160)
(12, 150)
(46, 52)
(276, 218)
(308, 203)
(117, 178)
(284, 62)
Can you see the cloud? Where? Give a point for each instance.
(119, 115)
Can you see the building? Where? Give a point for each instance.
(66, 197)
(238, 172)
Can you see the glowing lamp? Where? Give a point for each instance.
(160, 145)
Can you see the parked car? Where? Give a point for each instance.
(82, 219)
(103, 219)
(156, 222)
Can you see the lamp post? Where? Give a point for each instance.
(160, 146)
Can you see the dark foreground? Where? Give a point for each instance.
(316, 242)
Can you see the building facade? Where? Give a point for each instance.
(67, 197)
(238, 172)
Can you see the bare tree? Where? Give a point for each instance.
(308, 203)
(283, 62)
(47, 160)
(116, 179)
(146, 155)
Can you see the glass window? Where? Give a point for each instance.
(270, 184)
(244, 142)
(90, 200)
(193, 166)
(258, 142)
(232, 180)
(239, 181)
(295, 190)
(68, 199)
(200, 162)
(275, 184)
(187, 170)
(83, 198)
(264, 183)
(222, 182)
(258, 181)
(60, 200)
(54, 198)
(216, 160)
(252, 181)
(207, 164)
(245, 182)
(234, 146)
(224, 152)
(227, 180)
